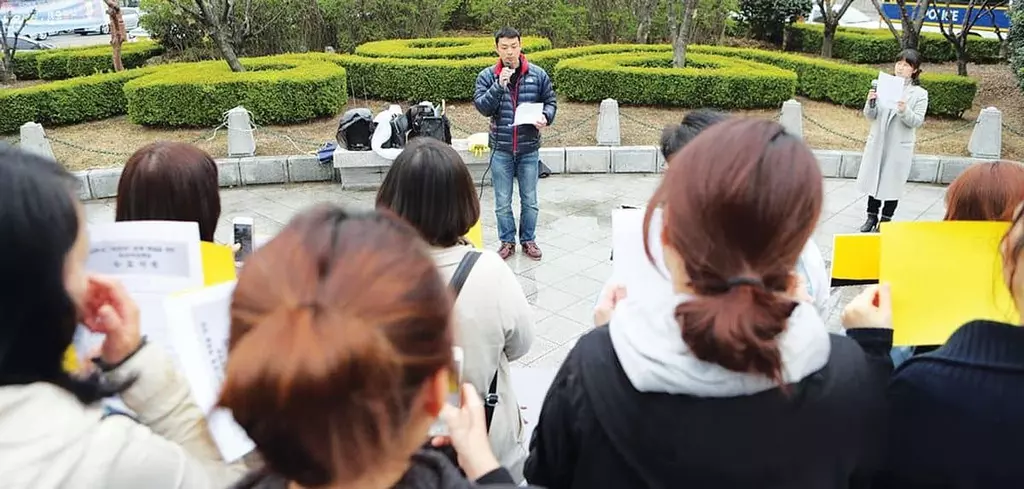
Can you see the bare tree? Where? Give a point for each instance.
(959, 38)
(680, 16)
(644, 10)
(1004, 43)
(117, 31)
(830, 19)
(7, 26)
(911, 23)
(229, 23)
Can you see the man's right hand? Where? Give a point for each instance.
(505, 77)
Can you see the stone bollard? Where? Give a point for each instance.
(608, 129)
(987, 138)
(33, 140)
(793, 118)
(240, 133)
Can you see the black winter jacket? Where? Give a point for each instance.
(826, 432)
(530, 84)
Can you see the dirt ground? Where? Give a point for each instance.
(109, 142)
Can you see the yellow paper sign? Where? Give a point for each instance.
(218, 263)
(476, 235)
(855, 259)
(943, 274)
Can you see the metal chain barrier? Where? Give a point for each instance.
(948, 133)
(574, 129)
(834, 133)
(1013, 131)
(87, 150)
(634, 120)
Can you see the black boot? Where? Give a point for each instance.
(870, 225)
(884, 219)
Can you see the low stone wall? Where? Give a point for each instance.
(363, 170)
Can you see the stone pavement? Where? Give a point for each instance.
(574, 231)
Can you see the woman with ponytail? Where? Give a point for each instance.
(340, 351)
(734, 381)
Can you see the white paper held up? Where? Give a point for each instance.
(528, 113)
(201, 322)
(630, 267)
(889, 90)
(147, 256)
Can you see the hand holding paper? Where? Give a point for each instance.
(110, 311)
(890, 90)
(529, 113)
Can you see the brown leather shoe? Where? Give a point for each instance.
(531, 250)
(506, 250)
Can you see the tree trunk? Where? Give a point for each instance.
(227, 51)
(829, 40)
(961, 59)
(643, 30)
(682, 37)
(117, 32)
(910, 38)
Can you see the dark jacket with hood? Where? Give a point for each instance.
(955, 413)
(631, 407)
(529, 84)
(430, 470)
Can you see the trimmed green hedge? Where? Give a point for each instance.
(444, 47)
(279, 89)
(648, 78)
(67, 102)
(411, 80)
(843, 84)
(549, 59)
(276, 89)
(61, 64)
(878, 46)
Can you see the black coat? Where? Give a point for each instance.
(956, 414)
(530, 84)
(597, 430)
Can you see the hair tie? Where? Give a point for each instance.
(738, 281)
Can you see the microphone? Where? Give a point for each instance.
(506, 65)
(874, 86)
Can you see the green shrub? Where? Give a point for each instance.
(411, 80)
(649, 78)
(844, 84)
(25, 64)
(67, 102)
(61, 64)
(879, 46)
(443, 47)
(550, 58)
(276, 89)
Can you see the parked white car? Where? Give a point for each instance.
(131, 21)
(852, 18)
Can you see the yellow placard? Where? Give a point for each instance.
(218, 263)
(476, 235)
(70, 360)
(943, 274)
(855, 258)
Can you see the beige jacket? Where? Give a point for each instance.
(494, 327)
(48, 439)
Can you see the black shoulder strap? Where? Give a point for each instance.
(458, 280)
(462, 273)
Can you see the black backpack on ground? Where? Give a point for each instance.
(399, 130)
(355, 129)
(423, 122)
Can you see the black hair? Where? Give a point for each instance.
(673, 138)
(429, 186)
(506, 33)
(913, 58)
(39, 223)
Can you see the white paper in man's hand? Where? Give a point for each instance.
(889, 90)
(528, 113)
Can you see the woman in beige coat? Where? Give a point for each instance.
(889, 152)
(429, 186)
(53, 432)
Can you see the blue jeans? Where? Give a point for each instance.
(505, 167)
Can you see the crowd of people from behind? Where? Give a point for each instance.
(343, 327)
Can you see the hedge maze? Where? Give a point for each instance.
(294, 88)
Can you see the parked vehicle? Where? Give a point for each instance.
(131, 21)
(25, 43)
(852, 17)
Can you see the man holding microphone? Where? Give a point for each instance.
(515, 149)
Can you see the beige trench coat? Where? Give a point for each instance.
(889, 152)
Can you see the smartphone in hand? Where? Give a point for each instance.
(439, 428)
(243, 229)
